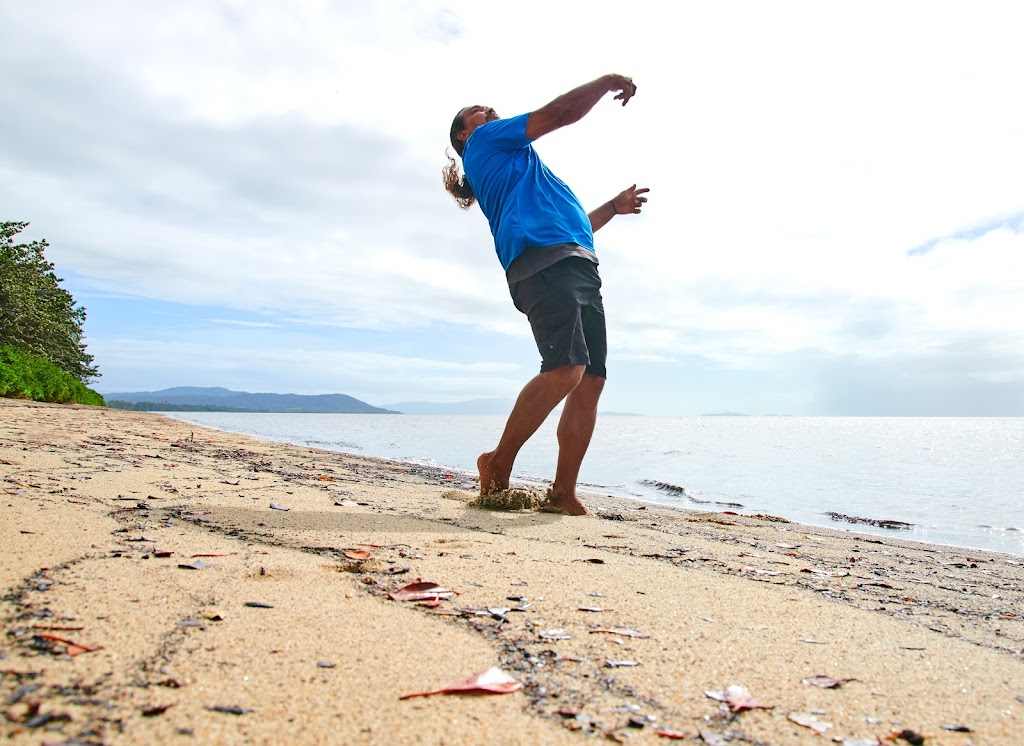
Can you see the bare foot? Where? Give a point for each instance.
(568, 504)
(493, 477)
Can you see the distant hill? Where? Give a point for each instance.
(474, 406)
(216, 399)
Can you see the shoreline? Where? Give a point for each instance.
(924, 635)
(623, 492)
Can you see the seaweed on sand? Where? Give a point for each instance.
(509, 500)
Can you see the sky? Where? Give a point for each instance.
(248, 194)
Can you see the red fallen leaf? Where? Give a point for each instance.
(162, 553)
(73, 648)
(421, 591)
(729, 512)
(491, 681)
(673, 734)
(358, 554)
(621, 633)
(325, 478)
(738, 698)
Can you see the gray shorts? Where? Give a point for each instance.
(564, 306)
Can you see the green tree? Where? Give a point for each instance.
(37, 315)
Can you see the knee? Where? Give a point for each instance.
(568, 375)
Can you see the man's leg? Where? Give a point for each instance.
(534, 404)
(575, 429)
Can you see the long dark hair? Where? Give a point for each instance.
(455, 183)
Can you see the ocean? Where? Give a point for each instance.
(953, 480)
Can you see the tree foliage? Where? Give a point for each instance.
(25, 376)
(37, 315)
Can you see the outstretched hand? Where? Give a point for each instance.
(630, 200)
(625, 87)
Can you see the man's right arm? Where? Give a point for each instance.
(571, 107)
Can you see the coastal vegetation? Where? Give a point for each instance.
(25, 376)
(42, 356)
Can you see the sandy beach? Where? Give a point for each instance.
(162, 583)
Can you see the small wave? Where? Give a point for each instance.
(334, 444)
(419, 461)
(683, 492)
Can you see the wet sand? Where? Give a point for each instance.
(617, 625)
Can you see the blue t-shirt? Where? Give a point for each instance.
(525, 204)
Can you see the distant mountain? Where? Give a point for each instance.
(474, 406)
(197, 399)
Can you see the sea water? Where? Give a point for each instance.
(956, 480)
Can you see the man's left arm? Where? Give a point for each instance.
(627, 202)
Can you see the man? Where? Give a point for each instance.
(545, 242)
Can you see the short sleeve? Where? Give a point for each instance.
(503, 134)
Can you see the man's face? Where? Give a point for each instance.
(473, 117)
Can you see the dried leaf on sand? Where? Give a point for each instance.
(421, 591)
(73, 648)
(491, 681)
(808, 721)
(825, 682)
(620, 632)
